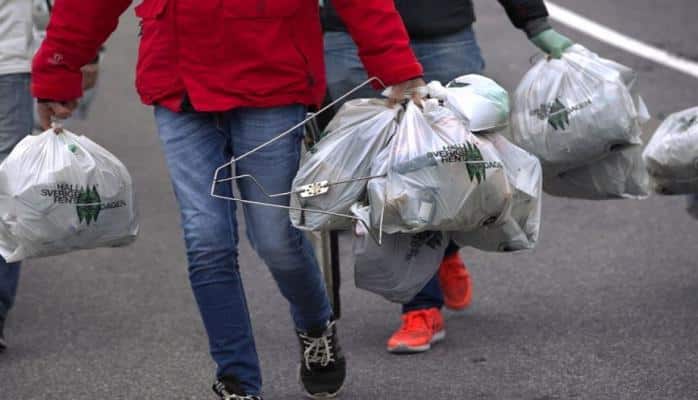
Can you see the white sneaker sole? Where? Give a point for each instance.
(404, 349)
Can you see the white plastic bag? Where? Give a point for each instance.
(672, 154)
(399, 268)
(476, 99)
(441, 177)
(575, 110)
(60, 193)
(621, 175)
(360, 130)
(520, 226)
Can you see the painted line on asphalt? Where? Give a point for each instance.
(623, 42)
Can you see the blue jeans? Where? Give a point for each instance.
(15, 123)
(195, 144)
(443, 59)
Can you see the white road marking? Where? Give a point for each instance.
(617, 39)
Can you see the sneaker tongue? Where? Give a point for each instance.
(417, 320)
(317, 332)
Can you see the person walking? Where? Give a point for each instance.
(225, 76)
(442, 37)
(16, 115)
(18, 22)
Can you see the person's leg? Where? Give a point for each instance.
(443, 59)
(9, 279)
(15, 123)
(447, 57)
(284, 249)
(194, 147)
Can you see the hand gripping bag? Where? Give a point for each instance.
(440, 176)
(672, 154)
(519, 228)
(574, 110)
(63, 192)
(360, 130)
(399, 268)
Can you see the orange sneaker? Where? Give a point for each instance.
(420, 329)
(455, 283)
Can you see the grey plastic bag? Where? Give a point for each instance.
(399, 268)
(360, 130)
(575, 110)
(621, 175)
(520, 226)
(672, 154)
(440, 177)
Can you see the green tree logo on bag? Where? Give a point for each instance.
(431, 239)
(467, 153)
(88, 206)
(558, 114)
(86, 200)
(559, 117)
(475, 163)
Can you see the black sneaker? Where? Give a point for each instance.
(228, 388)
(323, 366)
(3, 344)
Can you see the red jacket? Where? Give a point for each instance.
(222, 53)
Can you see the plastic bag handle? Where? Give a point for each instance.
(56, 125)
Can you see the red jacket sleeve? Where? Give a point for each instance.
(383, 42)
(76, 31)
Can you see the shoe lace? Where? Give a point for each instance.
(320, 350)
(231, 396)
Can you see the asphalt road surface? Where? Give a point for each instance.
(605, 308)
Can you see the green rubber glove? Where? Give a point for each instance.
(552, 43)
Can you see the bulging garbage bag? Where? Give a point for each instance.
(63, 192)
(440, 177)
(360, 130)
(621, 175)
(672, 154)
(519, 228)
(476, 99)
(575, 110)
(399, 268)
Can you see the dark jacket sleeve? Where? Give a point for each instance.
(523, 12)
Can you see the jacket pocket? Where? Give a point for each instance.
(157, 54)
(261, 8)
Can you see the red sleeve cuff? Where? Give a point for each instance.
(53, 79)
